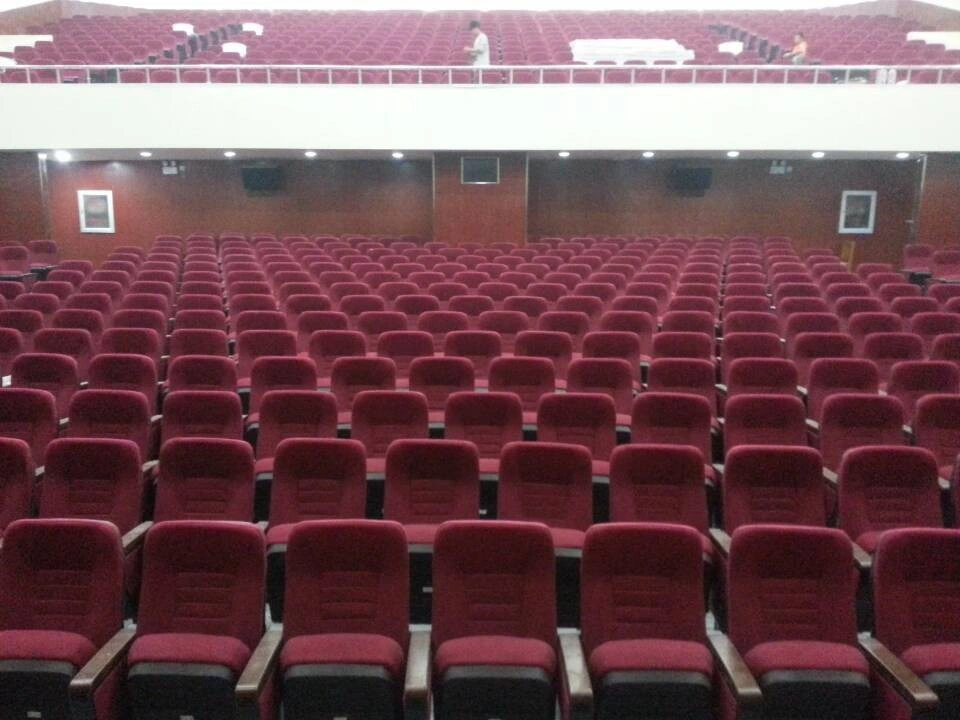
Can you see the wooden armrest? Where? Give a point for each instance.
(830, 477)
(802, 392)
(721, 388)
(862, 559)
(944, 484)
(416, 686)
(134, 538)
(576, 677)
(718, 470)
(257, 674)
(721, 541)
(813, 426)
(39, 472)
(902, 679)
(148, 467)
(908, 434)
(745, 690)
(263, 524)
(85, 683)
(63, 424)
(155, 421)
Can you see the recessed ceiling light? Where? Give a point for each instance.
(229, 154)
(146, 154)
(397, 155)
(649, 154)
(819, 154)
(733, 154)
(563, 154)
(903, 156)
(62, 156)
(310, 154)
(41, 156)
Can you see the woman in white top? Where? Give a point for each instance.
(480, 50)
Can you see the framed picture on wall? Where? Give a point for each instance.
(858, 212)
(96, 211)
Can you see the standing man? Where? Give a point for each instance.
(480, 51)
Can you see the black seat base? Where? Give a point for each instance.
(505, 693)
(276, 580)
(35, 686)
(815, 695)
(655, 695)
(947, 687)
(170, 691)
(326, 692)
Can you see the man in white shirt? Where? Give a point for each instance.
(480, 51)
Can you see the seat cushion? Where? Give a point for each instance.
(805, 655)
(495, 650)
(344, 649)
(567, 538)
(490, 466)
(376, 465)
(601, 468)
(868, 541)
(48, 645)
(190, 648)
(263, 466)
(279, 534)
(420, 534)
(650, 655)
(925, 659)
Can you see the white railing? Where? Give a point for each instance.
(494, 75)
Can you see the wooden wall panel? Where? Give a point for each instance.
(939, 221)
(608, 196)
(480, 213)
(21, 207)
(16, 21)
(319, 197)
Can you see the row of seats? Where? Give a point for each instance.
(18, 261)
(346, 650)
(925, 259)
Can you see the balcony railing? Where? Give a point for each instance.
(495, 75)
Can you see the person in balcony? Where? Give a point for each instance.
(798, 55)
(480, 50)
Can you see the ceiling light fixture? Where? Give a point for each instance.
(563, 154)
(62, 156)
(903, 156)
(649, 154)
(310, 154)
(41, 156)
(229, 154)
(397, 155)
(146, 154)
(818, 155)
(733, 154)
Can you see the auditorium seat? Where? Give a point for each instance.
(808, 669)
(75, 343)
(203, 413)
(483, 666)
(437, 378)
(850, 420)
(886, 349)
(930, 325)
(658, 665)
(133, 341)
(831, 376)
(18, 472)
(116, 414)
(278, 373)
(907, 307)
(441, 322)
(204, 478)
(333, 661)
(585, 419)
(674, 419)
(529, 378)
(488, 420)
(42, 651)
(125, 372)
(881, 488)
(184, 663)
(49, 372)
(44, 303)
(684, 375)
(763, 376)
(811, 346)
(764, 420)
(254, 344)
(350, 376)
(403, 347)
(912, 380)
(379, 417)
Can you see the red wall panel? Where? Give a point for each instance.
(480, 213)
(939, 221)
(631, 196)
(21, 208)
(318, 197)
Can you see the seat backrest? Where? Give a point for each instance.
(809, 346)
(829, 376)
(378, 417)
(683, 345)
(125, 372)
(764, 420)
(669, 558)
(689, 321)
(613, 377)
(851, 420)
(489, 420)
(201, 413)
(205, 478)
(529, 378)
(586, 419)
(911, 380)
(773, 484)
(514, 561)
(439, 377)
(73, 342)
(672, 419)
(56, 374)
(116, 414)
(372, 554)
(886, 349)
(317, 478)
(16, 479)
(280, 373)
(152, 319)
(881, 488)
(546, 482)
(254, 344)
(95, 479)
(299, 413)
(404, 346)
(431, 481)
(752, 322)
(913, 570)
(220, 566)
(658, 484)
(684, 375)
(936, 427)
(44, 559)
(811, 566)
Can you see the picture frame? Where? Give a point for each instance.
(96, 211)
(483, 170)
(858, 212)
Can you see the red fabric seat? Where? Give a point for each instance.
(648, 654)
(192, 648)
(935, 657)
(344, 649)
(46, 645)
(495, 650)
(805, 655)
